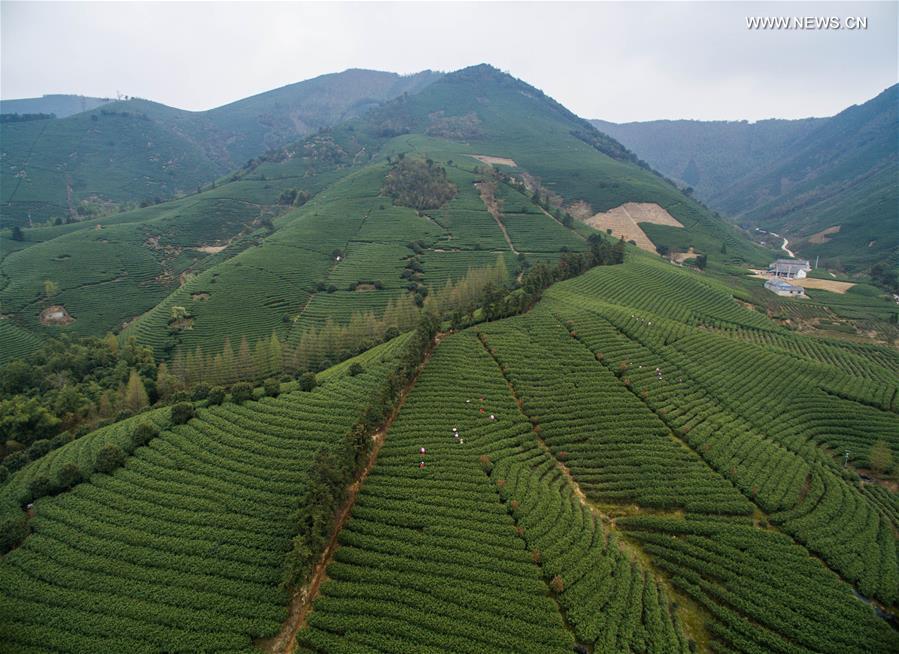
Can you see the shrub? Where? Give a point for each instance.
(307, 381)
(182, 412)
(216, 396)
(201, 392)
(143, 434)
(13, 530)
(39, 448)
(4, 473)
(557, 584)
(69, 475)
(241, 392)
(272, 387)
(356, 369)
(39, 487)
(109, 458)
(16, 460)
(180, 396)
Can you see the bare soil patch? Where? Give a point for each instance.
(211, 249)
(826, 284)
(493, 161)
(821, 237)
(623, 221)
(580, 210)
(199, 296)
(364, 288)
(680, 257)
(56, 315)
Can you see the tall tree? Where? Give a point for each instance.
(135, 397)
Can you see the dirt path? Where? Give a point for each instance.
(303, 598)
(783, 246)
(493, 161)
(486, 191)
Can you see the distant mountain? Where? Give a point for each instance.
(829, 184)
(59, 105)
(139, 152)
(708, 155)
(275, 118)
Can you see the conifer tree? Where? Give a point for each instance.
(135, 394)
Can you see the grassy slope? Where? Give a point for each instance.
(515, 120)
(156, 151)
(60, 105)
(509, 119)
(275, 286)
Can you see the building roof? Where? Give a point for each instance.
(802, 263)
(781, 285)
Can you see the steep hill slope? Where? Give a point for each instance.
(477, 111)
(798, 178)
(708, 155)
(275, 118)
(481, 111)
(60, 105)
(139, 151)
(293, 282)
(841, 175)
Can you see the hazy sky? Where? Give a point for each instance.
(612, 60)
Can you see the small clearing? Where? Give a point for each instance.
(821, 237)
(211, 249)
(680, 257)
(199, 296)
(826, 285)
(623, 221)
(365, 287)
(493, 161)
(56, 315)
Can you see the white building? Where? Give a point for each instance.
(782, 288)
(789, 268)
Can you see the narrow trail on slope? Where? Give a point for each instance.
(783, 246)
(486, 191)
(301, 601)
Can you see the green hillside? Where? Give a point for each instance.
(373, 234)
(480, 110)
(708, 155)
(798, 178)
(140, 152)
(182, 548)
(60, 105)
(843, 174)
(642, 464)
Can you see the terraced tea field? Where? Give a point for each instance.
(181, 549)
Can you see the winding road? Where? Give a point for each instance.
(784, 245)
